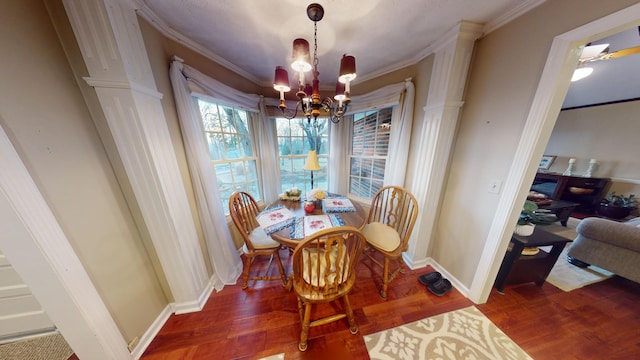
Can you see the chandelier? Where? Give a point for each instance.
(309, 101)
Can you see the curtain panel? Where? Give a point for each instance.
(185, 82)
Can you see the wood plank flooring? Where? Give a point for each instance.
(596, 322)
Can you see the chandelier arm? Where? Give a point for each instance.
(290, 114)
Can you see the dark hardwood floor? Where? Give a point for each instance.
(600, 321)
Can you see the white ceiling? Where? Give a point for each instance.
(611, 80)
(252, 37)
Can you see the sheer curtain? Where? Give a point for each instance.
(185, 81)
(268, 145)
(401, 96)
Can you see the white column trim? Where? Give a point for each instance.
(38, 249)
(451, 64)
(111, 44)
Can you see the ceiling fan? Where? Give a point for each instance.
(598, 52)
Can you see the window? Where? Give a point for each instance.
(295, 138)
(369, 149)
(228, 136)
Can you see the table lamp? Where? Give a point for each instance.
(312, 164)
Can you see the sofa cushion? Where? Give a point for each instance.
(622, 234)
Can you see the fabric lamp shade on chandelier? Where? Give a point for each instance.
(309, 100)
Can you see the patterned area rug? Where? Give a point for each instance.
(568, 277)
(48, 347)
(460, 334)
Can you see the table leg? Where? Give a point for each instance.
(509, 259)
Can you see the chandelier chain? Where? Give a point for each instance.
(315, 46)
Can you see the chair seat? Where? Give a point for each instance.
(261, 240)
(381, 236)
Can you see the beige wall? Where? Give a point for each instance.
(504, 76)
(64, 152)
(608, 133)
(47, 120)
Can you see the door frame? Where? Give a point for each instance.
(547, 102)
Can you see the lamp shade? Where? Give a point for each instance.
(281, 80)
(347, 69)
(300, 58)
(312, 161)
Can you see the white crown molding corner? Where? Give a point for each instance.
(511, 14)
(146, 13)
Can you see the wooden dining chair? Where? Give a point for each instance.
(324, 271)
(244, 209)
(387, 228)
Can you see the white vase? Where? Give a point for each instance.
(524, 230)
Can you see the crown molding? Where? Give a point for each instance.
(149, 15)
(511, 14)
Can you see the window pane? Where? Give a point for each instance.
(231, 142)
(297, 146)
(282, 127)
(355, 167)
(242, 125)
(216, 148)
(369, 151)
(245, 146)
(284, 146)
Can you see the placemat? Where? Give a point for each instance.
(275, 219)
(306, 225)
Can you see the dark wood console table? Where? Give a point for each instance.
(559, 187)
(517, 268)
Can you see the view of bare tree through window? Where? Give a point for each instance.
(369, 149)
(295, 138)
(227, 131)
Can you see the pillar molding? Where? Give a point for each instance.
(41, 253)
(451, 64)
(109, 37)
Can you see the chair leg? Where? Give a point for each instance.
(281, 268)
(301, 310)
(245, 275)
(304, 334)
(353, 327)
(385, 278)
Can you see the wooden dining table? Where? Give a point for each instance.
(352, 218)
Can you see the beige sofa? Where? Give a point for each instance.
(608, 244)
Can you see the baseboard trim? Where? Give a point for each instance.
(151, 332)
(428, 261)
(454, 281)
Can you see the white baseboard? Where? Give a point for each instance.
(151, 332)
(445, 274)
(434, 264)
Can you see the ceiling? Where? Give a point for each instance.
(252, 37)
(612, 80)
